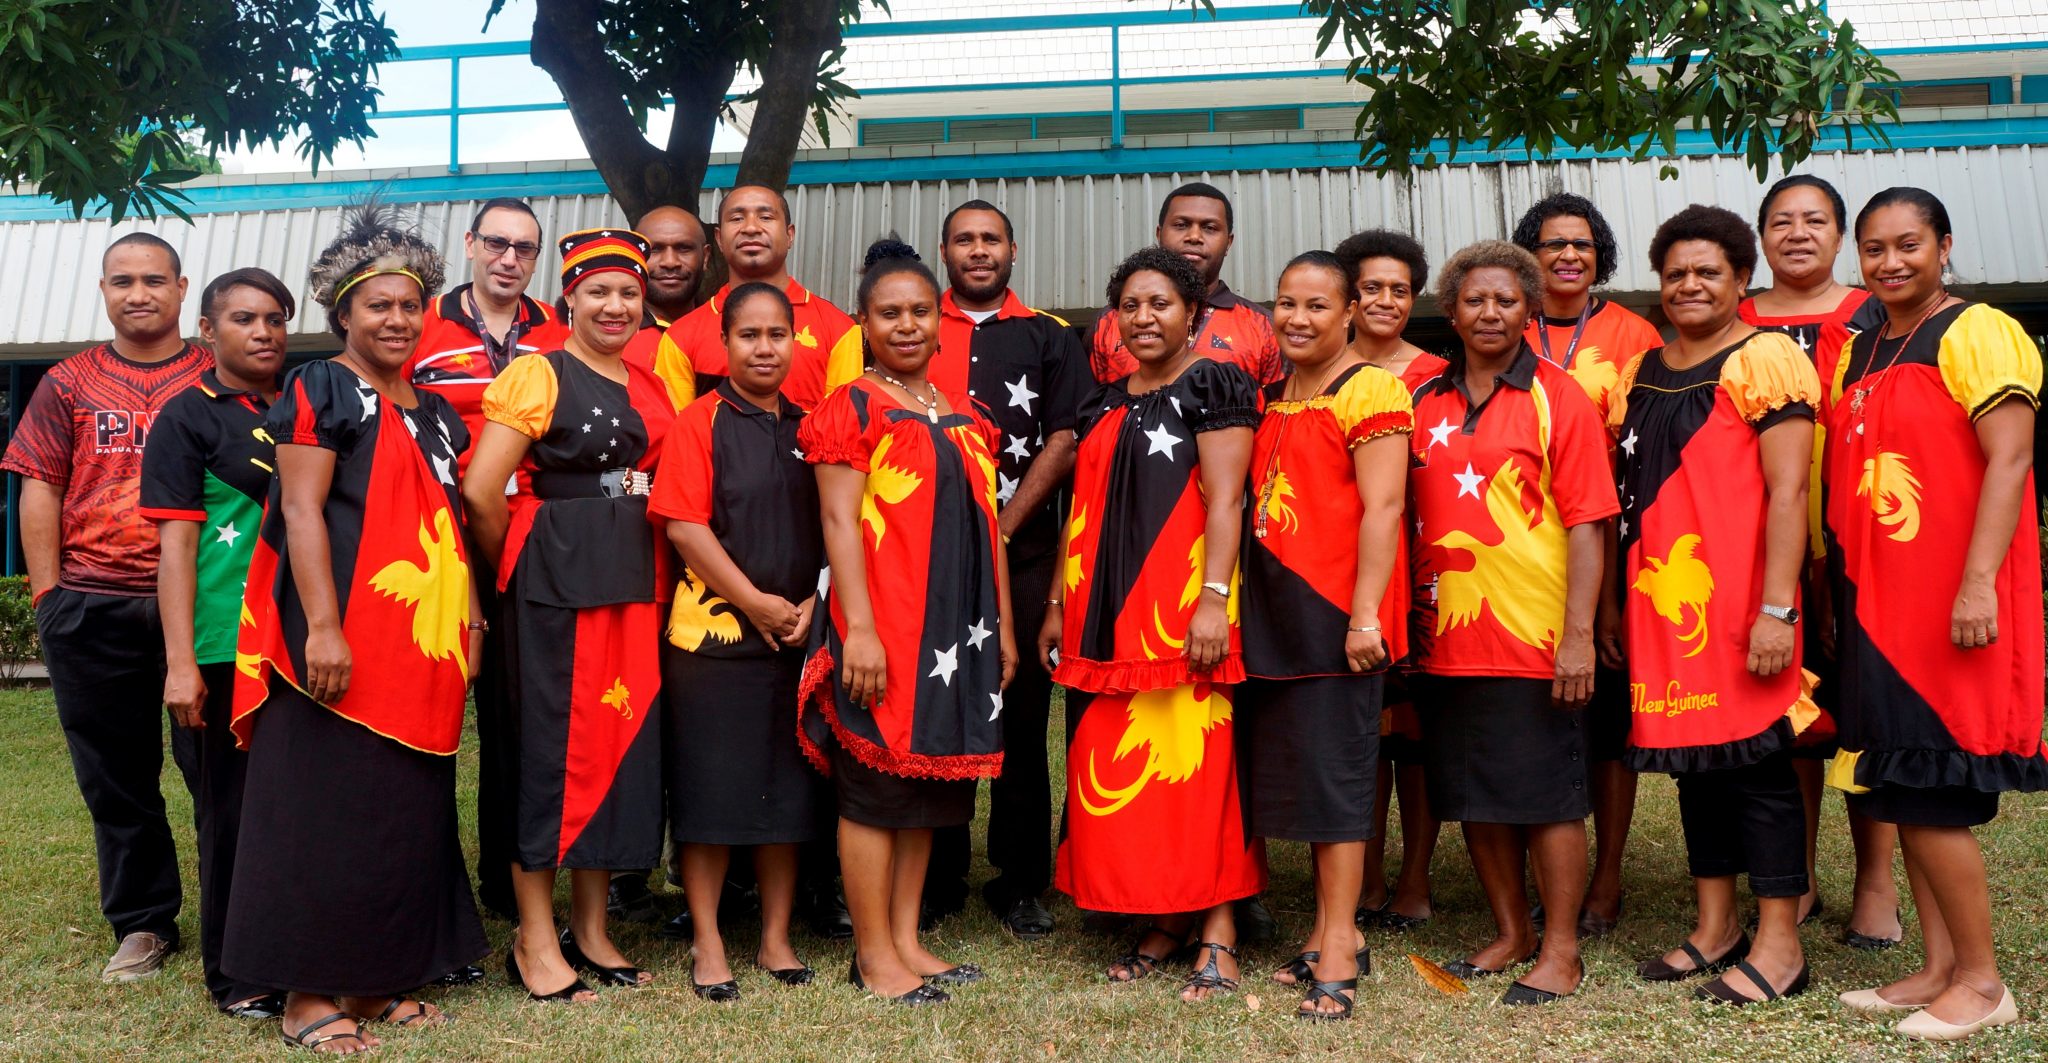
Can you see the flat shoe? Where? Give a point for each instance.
(1719, 991)
(725, 992)
(564, 995)
(1921, 1026)
(1869, 1002)
(964, 974)
(1866, 942)
(622, 977)
(799, 975)
(1592, 925)
(1522, 994)
(461, 976)
(1398, 923)
(267, 1006)
(1466, 971)
(1655, 969)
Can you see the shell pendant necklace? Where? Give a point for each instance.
(931, 405)
(1865, 388)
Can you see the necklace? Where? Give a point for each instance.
(1874, 377)
(931, 405)
(1269, 481)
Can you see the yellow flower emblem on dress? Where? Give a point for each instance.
(1894, 494)
(619, 697)
(438, 593)
(1497, 578)
(887, 484)
(1680, 580)
(1171, 726)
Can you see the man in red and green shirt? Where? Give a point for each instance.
(92, 560)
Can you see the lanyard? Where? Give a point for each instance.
(1543, 335)
(499, 354)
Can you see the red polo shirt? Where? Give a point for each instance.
(691, 355)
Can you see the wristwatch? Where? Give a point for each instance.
(1222, 589)
(1787, 613)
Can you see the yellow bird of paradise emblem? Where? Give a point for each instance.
(888, 484)
(1894, 494)
(804, 336)
(619, 697)
(1679, 581)
(1498, 579)
(438, 593)
(1079, 524)
(1171, 726)
(695, 619)
(1595, 374)
(1277, 512)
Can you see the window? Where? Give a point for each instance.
(887, 131)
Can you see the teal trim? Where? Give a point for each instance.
(946, 121)
(1264, 156)
(1099, 20)
(2034, 88)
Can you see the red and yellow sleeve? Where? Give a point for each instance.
(522, 397)
(1373, 403)
(1986, 358)
(845, 363)
(674, 368)
(1767, 374)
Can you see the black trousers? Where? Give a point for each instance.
(105, 653)
(1748, 819)
(498, 752)
(1020, 799)
(217, 819)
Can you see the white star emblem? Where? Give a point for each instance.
(586, 428)
(996, 698)
(797, 452)
(1418, 525)
(1016, 447)
(1629, 444)
(1624, 527)
(1441, 434)
(615, 422)
(1175, 399)
(596, 412)
(946, 662)
(1163, 442)
(1006, 488)
(369, 398)
(606, 456)
(611, 442)
(228, 533)
(410, 428)
(978, 634)
(1021, 393)
(444, 470)
(1468, 481)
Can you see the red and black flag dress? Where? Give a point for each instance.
(735, 774)
(1904, 472)
(1400, 728)
(1153, 818)
(1689, 467)
(396, 910)
(580, 577)
(928, 533)
(1311, 728)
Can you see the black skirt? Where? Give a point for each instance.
(348, 871)
(1308, 757)
(734, 771)
(875, 798)
(1497, 750)
(1608, 716)
(1940, 806)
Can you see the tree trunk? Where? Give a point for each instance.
(803, 31)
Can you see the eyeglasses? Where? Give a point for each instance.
(1556, 247)
(498, 245)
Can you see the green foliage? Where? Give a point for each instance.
(98, 98)
(1761, 76)
(18, 642)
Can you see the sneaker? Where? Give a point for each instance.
(141, 954)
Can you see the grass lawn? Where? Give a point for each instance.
(1045, 1001)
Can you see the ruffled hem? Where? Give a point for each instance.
(1234, 417)
(838, 454)
(1685, 760)
(816, 690)
(1138, 675)
(1859, 771)
(1393, 422)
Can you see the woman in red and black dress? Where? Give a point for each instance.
(580, 573)
(1715, 434)
(1803, 222)
(741, 506)
(1936, 566)
(901, 703)
(349, 887)
(1389, 269)
(1328, 474)
(1590, 338)
(1144, 635)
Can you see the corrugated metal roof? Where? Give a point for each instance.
(1073, 230)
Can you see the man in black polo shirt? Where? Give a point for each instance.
(1028, 369)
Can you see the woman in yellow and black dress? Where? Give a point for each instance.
(580, 574)
(1715, 435)
(1935, 561)
(1144, 635)
(1328, 473)
(741, 506)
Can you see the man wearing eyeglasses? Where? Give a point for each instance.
(474, 330)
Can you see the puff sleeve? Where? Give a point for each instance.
(522, 397)
(1987, 358)
(323, 404)
(837, 432)
(1221, 395)
(1769, 379)
(1373, 403)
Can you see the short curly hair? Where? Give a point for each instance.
(1606, 253)
(1384, 243)
(1714, 224)
(1182, 273)
(1489, 254)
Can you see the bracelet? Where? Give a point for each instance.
(1054, 601)
(1364, 630)
(479, 625)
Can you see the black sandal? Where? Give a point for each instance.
(421, 1016)
(1209, 975)
(1329, 991)
(263, 1006)
(622, 977)
(565, 995)
(1655, 969)
(305, 1037)
(1138, 962)
(1301, 968)
(1720, 992)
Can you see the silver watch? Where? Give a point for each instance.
(1222, 589)
(1787, 613)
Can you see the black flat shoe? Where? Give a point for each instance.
(726, 992)
(629, 900)
(802, 974)
(1655, 969)
(1465, 970)
(1593, 925)
(565, 995)
(1719, 991)
(461, 976)
(1872, 943)
(1255, 924)
(1522, 994)
(1210, 975)
(622, 977)
(267, 1006)
(827, 918)
(1028, 920)
(680, 928)
(964, 974)
(1329, 991)
(924, 994)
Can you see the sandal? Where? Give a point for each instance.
(1329, 991)
(306, 1037)
(1301, 968)
(1138, 962)
(1720, 992)
(1209, 975)
(1655, 969)
(421, 1016)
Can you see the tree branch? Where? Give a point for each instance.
(803, 32)
(567, 44)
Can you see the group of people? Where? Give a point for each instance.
(753, 572)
